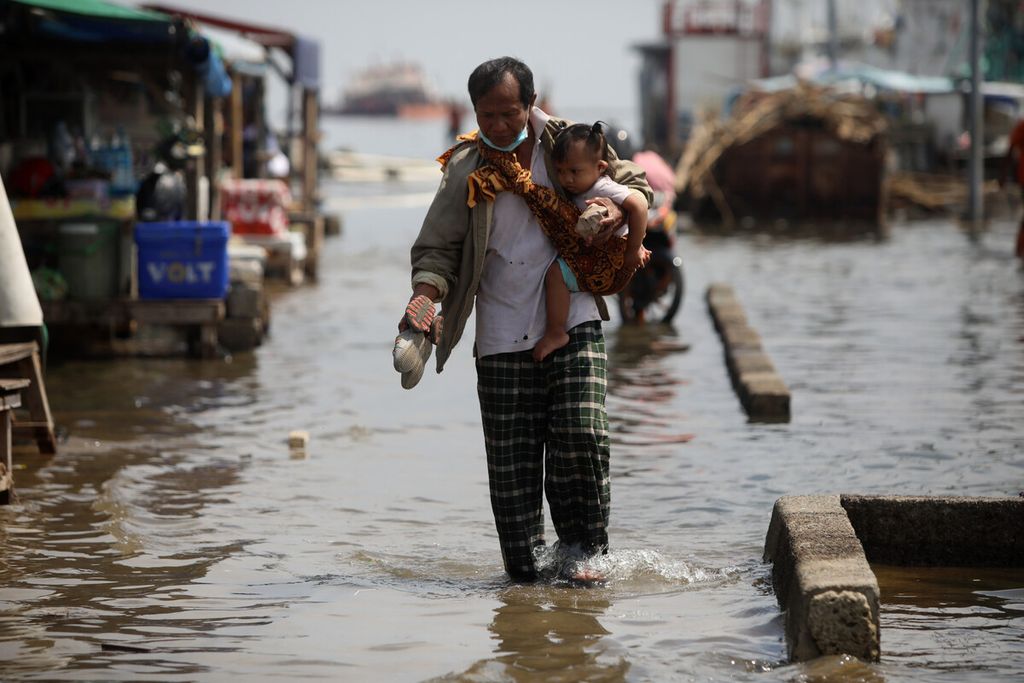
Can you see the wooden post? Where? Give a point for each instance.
(976, 160)
(310, 140)
(193, 170)
(260, 122)
(214, 138)
(6, 463)
(237, 126)
(10, 398)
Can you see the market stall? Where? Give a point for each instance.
(106, 118)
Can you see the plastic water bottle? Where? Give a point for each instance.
(123, 181)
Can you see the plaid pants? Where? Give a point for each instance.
(546, 429)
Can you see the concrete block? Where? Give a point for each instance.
(743, 361)
(841, 621)
(762, 392)
(298, 438)
(332, 224)
(819, 548)
(939, 531)
(740, 336)
(245, 300)
(248, 271)
(720, 293)
(728, 314)
(240, 334)
(822, 580)
(764, 395)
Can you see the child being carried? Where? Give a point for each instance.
(579, 156)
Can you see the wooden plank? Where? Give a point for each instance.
(20, 367)
(10, 353)
(7, 467)
(12, 386)
(110, 313)
(177, 311)
(10, 401)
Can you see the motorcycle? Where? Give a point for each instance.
(162, 194)
(656, 291)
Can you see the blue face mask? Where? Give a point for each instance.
(525, 133)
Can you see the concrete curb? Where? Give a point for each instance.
(943, 531)
(819, 547)
(822, 580)
(762, 392)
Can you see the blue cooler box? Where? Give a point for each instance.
(183, 259)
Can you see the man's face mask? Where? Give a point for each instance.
(508, 148)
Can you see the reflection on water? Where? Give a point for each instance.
(548, 635)
(946, 612)
(174, 538)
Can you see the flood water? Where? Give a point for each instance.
(176, 538)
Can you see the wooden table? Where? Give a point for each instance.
(21, 362)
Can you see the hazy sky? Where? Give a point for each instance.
(579, 50)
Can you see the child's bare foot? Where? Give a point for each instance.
(551, 341)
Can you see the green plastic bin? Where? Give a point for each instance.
(88, 258)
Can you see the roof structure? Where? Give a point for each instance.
(304, 52)
(264, 35)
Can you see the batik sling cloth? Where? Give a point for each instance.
(598, 268)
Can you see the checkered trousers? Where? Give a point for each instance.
(546, 430)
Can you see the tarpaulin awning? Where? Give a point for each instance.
(98, 21)
(98, 8)
(234, 48)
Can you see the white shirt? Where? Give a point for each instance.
(603, 187)
(510, 302)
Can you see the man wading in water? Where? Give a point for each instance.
(485, 242)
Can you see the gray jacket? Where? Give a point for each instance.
(452, 244)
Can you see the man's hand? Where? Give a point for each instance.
(610, 223)
(419, 313)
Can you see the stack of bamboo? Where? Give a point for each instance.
(933, 191)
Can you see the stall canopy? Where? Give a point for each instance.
(243, 54)
(98, 21)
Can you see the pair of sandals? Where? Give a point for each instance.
(414, 344)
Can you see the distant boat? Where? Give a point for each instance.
(398, 89)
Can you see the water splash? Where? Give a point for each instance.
(639, 569)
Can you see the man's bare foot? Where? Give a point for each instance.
(548, 343)
(584, 577)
